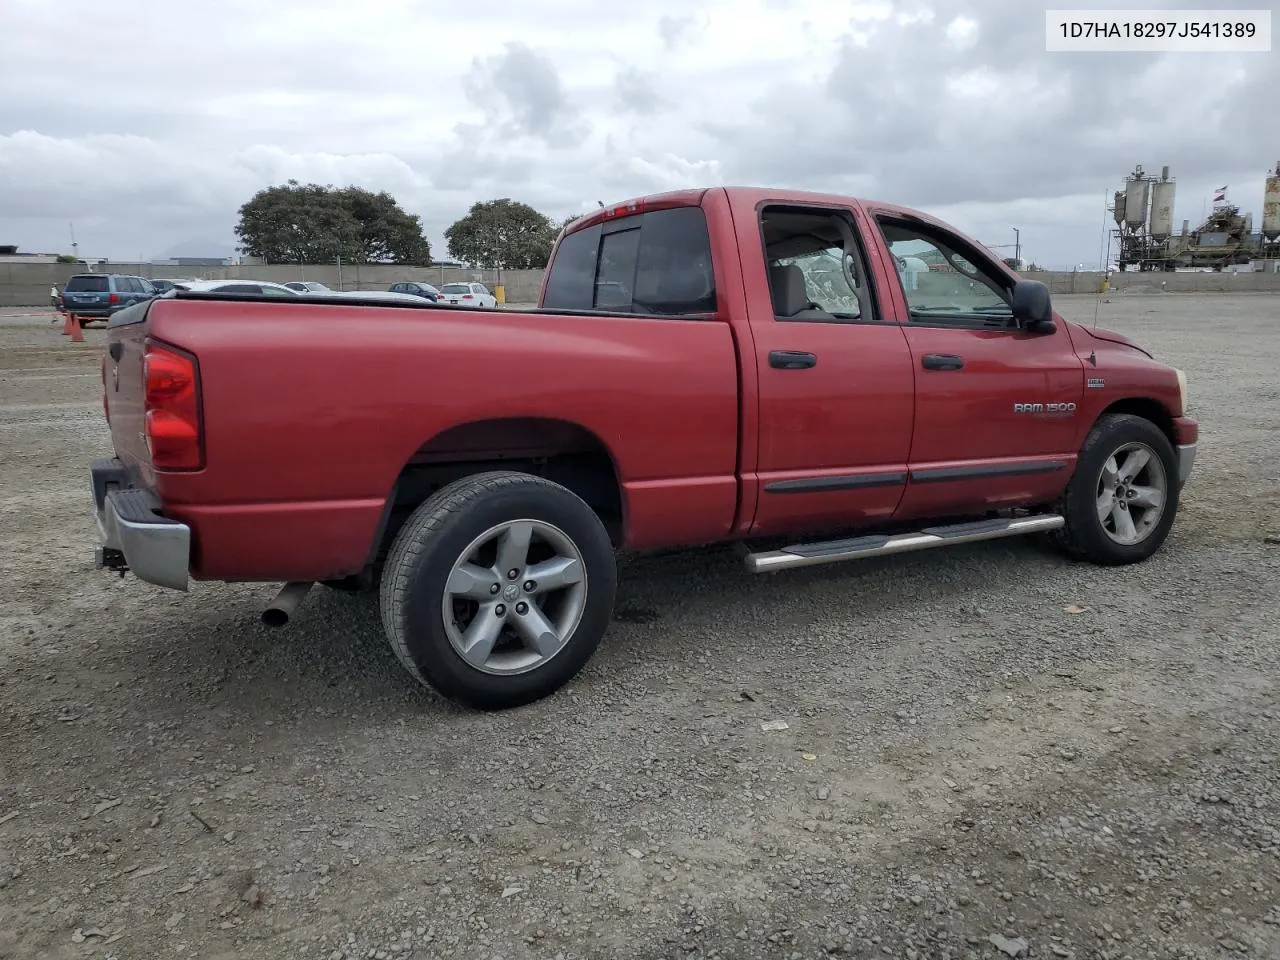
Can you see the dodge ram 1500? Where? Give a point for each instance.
(817, 378)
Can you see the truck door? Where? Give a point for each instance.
(996, 407)
(835, 381)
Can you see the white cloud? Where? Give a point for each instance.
(980, 84)
(963, 32)
(670, 172)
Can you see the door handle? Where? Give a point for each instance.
(942, 361)
(115, 349)
(791, 360)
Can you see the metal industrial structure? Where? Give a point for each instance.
(1144, 237)
(1271, 214)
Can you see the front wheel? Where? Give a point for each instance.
(498, 589)
(1122, 499)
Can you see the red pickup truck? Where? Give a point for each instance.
(817, 378)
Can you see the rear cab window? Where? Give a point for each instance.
(88, 284)
(656, 263)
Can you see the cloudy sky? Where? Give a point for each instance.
(147, 123)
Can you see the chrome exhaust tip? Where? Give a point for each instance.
(281, 608)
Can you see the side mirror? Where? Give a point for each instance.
(1031, 306)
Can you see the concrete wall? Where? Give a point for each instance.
(27, 284)
(1142, 283)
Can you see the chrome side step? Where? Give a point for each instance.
(858, 548)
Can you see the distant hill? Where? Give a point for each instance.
(210, 249)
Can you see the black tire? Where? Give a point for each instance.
(435, 536)
(1085, 537)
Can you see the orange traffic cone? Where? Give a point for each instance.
(66, 324)
(77, 332)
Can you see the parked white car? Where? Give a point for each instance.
(307, 286)
(467, 295)
(260, 287)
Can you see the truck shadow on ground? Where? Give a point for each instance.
(671, 613)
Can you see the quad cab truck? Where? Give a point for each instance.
(816, 378)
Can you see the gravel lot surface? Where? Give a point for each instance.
(969, 768)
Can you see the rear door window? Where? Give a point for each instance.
(651, 263)
(88, 285)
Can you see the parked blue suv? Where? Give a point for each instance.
(96, 296)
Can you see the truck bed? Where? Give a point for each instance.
(370, 389)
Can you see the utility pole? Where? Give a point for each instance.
(1017, 247)
(1102, 240)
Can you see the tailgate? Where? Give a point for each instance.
(124, 389)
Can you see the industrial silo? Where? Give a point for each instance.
(1118, 209)
(1271, 206)
(1162, 206)
(1137, 191)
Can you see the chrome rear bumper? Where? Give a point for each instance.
(134, 534)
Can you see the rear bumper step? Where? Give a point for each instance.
(874, 545)
(134, 534)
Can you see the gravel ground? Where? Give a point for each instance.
(968, 769)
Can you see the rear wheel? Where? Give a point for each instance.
(1123, 498)
(498, 589)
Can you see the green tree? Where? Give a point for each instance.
(308, 223)
(67, 258)
(386, 231)
(502, 234)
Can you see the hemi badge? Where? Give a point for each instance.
(1095, 383)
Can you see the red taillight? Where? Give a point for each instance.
(173, 408)
(467, 296)
(114, 298)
